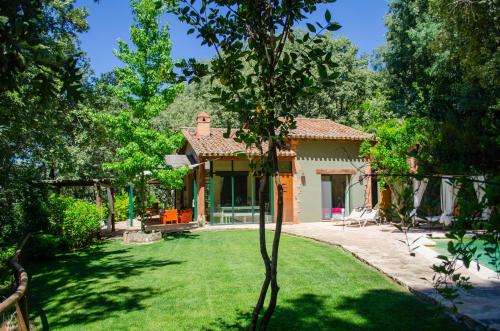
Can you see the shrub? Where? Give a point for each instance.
(5, 272)
(43, 246)
(121, 207)
(81, 223)
(58, 204)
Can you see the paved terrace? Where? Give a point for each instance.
(379, 246)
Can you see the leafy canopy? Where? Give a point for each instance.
(441, 59)
(147, 85)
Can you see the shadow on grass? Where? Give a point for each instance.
(373, 311)
(68, 284)
(168, 236)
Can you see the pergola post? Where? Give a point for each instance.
(195, 197)
(232, 190)
(211, 188)
(111, 204)
(201, 192)
(98, 196)
(131, 204)
(368, 187)
(271, 197)
(252, 190)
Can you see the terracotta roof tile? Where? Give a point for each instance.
(318, 128)
(217, 145)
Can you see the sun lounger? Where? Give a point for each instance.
(369, 215)
(355, 215)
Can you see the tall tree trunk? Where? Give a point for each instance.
(271, 264)
(141, 203)
(263, 250)
(276, 241)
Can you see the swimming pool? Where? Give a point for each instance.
(442, 248)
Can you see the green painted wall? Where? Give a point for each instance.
(326, 154)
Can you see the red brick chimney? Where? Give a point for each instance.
(203, 125)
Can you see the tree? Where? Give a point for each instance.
(436, 69)
(354, 82)
(41, 72)
(355, 99)
(147, 85)
(266, 96)
(194, 99)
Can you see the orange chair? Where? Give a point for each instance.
(186, 215)
(170, 216)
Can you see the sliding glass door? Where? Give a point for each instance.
(334, 194)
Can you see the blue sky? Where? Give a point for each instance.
(362, 21)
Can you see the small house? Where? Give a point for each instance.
(321, 171)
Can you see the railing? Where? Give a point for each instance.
(18, 299)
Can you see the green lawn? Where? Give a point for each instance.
(210, 281)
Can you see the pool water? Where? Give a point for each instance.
(442, 248)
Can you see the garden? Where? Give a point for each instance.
(70, 130)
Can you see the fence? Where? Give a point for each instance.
(17, 301)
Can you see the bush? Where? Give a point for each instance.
(43, 246)
(58, 204)
(81, 223)
(121, 207)
(5, 271)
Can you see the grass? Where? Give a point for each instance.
(211, 280)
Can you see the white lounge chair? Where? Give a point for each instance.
(369, 215)
(355, 215)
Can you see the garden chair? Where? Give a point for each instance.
(170, 216)
(369, 215)
(355, 215)
(186, 215)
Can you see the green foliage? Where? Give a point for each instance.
(47, 128)
(462, 247)
(393, 138)
(81, 224)
(121, 207)
(38, 36)
(146, 82)
(439, 61)
(260, 76)
(6, 253)
(147, 85)
(194, 99)
(42, 246)
(491, 235)
(23, 203)
(57, 205)
(342, 102)
(352, 82)
(76, 222)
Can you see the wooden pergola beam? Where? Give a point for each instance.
(76, 182)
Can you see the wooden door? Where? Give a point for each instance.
(287, 183)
